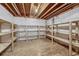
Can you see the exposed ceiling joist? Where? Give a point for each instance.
(49, 10)
(62, 10)
(10, 9)
(24, 9)
(31, 9)
(15, 7)
(55, 10)
(37, 9)
(42, 8)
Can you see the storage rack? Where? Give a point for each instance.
(28, 29)
(68, 41)
(5, 45)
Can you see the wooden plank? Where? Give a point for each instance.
(0, 31)
(3, 46)
(49, 10)
(77, 31)
(24, 9)
(31, 9)
(62, 10)
(55, 10)
(45, 28)
(60, 39)
(70, 39)
(52, 30)
(16, 8)
(38, 32)
(37, 9)
(64, 41)
(42, 8)
(10, 9)
(27, 9)
(12, 40)
(4, 33)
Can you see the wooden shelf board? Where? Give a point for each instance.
(65, 41)
(3, 46)
(4, 33)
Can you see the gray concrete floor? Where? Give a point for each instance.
(38, 47)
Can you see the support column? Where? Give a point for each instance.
(12, 41)
(76, 36)
(52, 31)
(0, 31)
(46, 28)
(77, 29)
(70, 38)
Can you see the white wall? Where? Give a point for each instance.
(29, 21)
(5, 15)
(70, 15)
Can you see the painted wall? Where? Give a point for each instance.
(70, 15)
(5, 15)
(50, 22)
(29, 21)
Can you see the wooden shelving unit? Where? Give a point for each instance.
(4, 45)
(32, 31)
(66, 41)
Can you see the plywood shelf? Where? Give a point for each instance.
(3, 46)
(4, 33)
(72, 28)
(11, 38)
(64, 41)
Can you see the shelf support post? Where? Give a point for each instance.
(52, 31)
(12, 41)
(46, 29)
(77, 34)
(70, 38)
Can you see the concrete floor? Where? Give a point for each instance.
(39, 47)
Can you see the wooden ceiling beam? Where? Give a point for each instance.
(11, 9)
(24, 9)
(55, 10)
(37, 9)
(31, 9)
(16, 8)
(42, 9)
(63, 9)
(49, 10)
